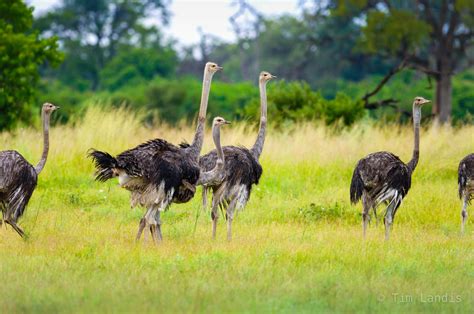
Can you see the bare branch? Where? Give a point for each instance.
(387, 77)
(423, 69)
(389, 102)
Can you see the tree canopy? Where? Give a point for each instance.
(22, 52)
(93, 32)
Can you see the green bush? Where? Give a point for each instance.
(296, 101)
(343, 108)
(316, 212)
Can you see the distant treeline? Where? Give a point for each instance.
(175, 99)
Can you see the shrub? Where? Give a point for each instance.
(316, 212)
(296, 101)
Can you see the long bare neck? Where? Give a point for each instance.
(416, 147)
(258, 146)
(44, 156)
(216, 135)
(213, 175)
(199, 135)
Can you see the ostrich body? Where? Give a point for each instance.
(383, 178)
(466, 185)
(18, 178)
(158, 173)
(241, 171)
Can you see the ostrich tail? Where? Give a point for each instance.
(104, 163)
(357, 186)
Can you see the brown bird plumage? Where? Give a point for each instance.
(466, 185)
(382, 178)
(18, 178)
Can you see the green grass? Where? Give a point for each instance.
(297, 246)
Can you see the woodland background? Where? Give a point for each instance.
(338, 61)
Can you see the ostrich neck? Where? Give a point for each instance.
(45, 118)
(216, 135)
(199, 135)
(416, 147)
(258, 146)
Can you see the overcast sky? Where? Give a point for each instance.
(212, 16)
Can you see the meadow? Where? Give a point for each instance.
(297, 246)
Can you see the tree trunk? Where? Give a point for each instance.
(442, 107)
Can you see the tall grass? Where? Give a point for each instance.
(297, 246)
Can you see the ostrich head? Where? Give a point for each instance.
(266, 76)
(212, 67)
(49, 108)
(420, 101)
(218, 121)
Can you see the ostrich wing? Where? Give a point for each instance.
(17, 182)
(240, 166)
(158, 161)
(382, 171)
(137, 161)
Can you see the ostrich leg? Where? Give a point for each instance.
(230, 217)
(214, 216)
(141, 226)
(464, 213)
(365, 212)
(143, 223)
(155, 222)
(158, 236)
(388, 219)
(16, 228)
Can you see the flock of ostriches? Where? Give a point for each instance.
(158, 173)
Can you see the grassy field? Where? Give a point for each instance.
(297, 246)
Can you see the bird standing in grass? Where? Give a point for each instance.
(466, 185)
(18, 178)
(383, 178)
(242, 169)
(158, 173)
(217, 174)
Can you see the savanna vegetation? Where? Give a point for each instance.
(297, 246)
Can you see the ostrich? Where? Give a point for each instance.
(466, 185)
(383, 178)
(18, 177)
(242, 170)
(215, 175)
(158, 173)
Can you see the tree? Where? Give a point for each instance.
(430, 36)
(138, 65)
(22, 52)
(93, 31)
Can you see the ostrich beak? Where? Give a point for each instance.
(274, 76)
(227, 122)
(219, 68)
(426, 101)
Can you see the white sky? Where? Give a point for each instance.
(212, 16)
